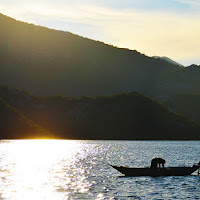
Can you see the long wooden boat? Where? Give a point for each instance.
(168, 171)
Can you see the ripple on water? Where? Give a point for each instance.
(64, 169)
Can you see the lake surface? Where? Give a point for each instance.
(71, 169)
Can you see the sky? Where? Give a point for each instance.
(168, 28)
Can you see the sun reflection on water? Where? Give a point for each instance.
(40, 169)
(72, 169)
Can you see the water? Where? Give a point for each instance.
(69, 169)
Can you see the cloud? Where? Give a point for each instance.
(190, 2)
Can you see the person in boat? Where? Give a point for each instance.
(157, 162)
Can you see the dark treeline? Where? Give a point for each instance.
(122, 116)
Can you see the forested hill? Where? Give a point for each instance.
(50, 62)
(187, 104)
(123, 116)
(14, 125)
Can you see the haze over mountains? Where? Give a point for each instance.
(167, 59)
(49, 62)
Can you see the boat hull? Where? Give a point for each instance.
(169, 171)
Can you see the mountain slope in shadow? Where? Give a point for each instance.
(187, 104)
(123, 116)
(50, 62)
(14, 125)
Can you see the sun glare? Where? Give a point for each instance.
(32, 166)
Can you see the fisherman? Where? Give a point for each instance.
(157, 162)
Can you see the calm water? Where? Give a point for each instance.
(63, 169)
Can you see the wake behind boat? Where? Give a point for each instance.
(157, 170)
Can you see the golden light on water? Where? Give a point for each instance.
(39, 169)
(65, 170)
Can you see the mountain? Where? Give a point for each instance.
(187, 104)
(122, 116)
(168, 60)
(14, 125)
(49, 62)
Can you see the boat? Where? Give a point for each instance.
(160, 171)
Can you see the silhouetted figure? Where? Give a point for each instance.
(157, 162)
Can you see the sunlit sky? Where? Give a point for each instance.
(155, 27)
